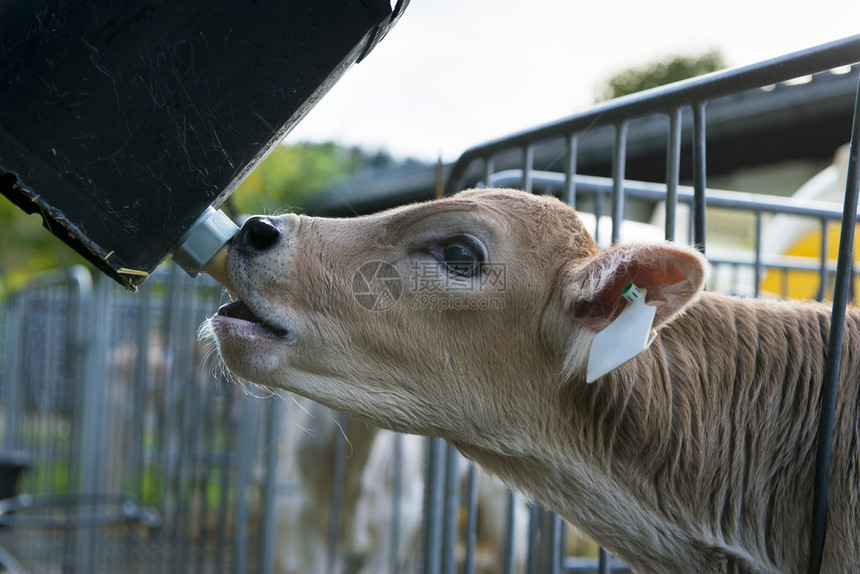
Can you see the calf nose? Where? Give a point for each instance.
(258, 234)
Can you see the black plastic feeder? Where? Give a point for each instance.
(122, 123)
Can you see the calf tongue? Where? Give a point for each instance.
(238, 310)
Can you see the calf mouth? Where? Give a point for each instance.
(238, 311)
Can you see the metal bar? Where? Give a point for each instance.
(240, 536)
(570, 170)
(166, 430)
(558, 544)
(797, 64)
(528, 162)
(699, 175)
(397, 504)
(433, 505)
(489, 168)
(472, 519)
(188, 428)
(179, 449)
(270, 486)
(673, 171)
(619, 161)
(141, 370)
(337, 493)
(224, 481)
(533, 533)
(592, 185)
(598, 215)
(834, 348)
(508, 562)
(758, 267)
(602, 562)
(452, 505)
(15, 329)
(822, 274)
(92, 413)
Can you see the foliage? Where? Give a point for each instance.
(660, 73)
(27, 248)
(290, 175)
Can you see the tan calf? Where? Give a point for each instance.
(471, 318)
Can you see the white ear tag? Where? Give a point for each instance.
(625, 337)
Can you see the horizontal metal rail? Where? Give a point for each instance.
(666, 99)
(657, 192)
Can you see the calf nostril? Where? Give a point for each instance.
(258, 234)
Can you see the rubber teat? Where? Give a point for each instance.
(217, 269)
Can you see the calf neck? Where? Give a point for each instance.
(471, 318)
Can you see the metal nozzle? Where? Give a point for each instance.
(206, 237)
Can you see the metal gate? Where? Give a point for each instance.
(142, 461)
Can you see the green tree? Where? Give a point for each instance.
(291, 174)
(27, 248)
(660, 73)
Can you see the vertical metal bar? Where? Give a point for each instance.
(572, 143)
(224, 481)
(528, 162)
(139, 384)
(822, 270)
(834, 347)
(508, 558)
(700, 175)
(433, 505)
(397, 502)
(337, 494)
(602, 562)
(184, 475)
(452, 505)
(534, 531)
(15, 329)
(550, 556)
(558, 544)
(472, 520)
(757, 270)
(270, 487)
(240, 541)
(598, 214)
(619, 161)
(166, 431)
(92, 410)
(489, 169)
(673, 171)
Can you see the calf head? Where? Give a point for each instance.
(462, 317)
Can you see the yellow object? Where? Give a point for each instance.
(805, 284)
(217, 269)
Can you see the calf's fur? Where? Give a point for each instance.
(696, 456)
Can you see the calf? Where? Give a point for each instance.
(471, 318)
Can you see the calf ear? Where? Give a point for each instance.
(672, 275)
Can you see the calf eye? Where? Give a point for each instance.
(462, 255)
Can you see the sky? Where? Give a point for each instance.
(455, 73)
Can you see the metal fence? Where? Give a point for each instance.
(141, 460)
(740, 270)
(144, 459)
